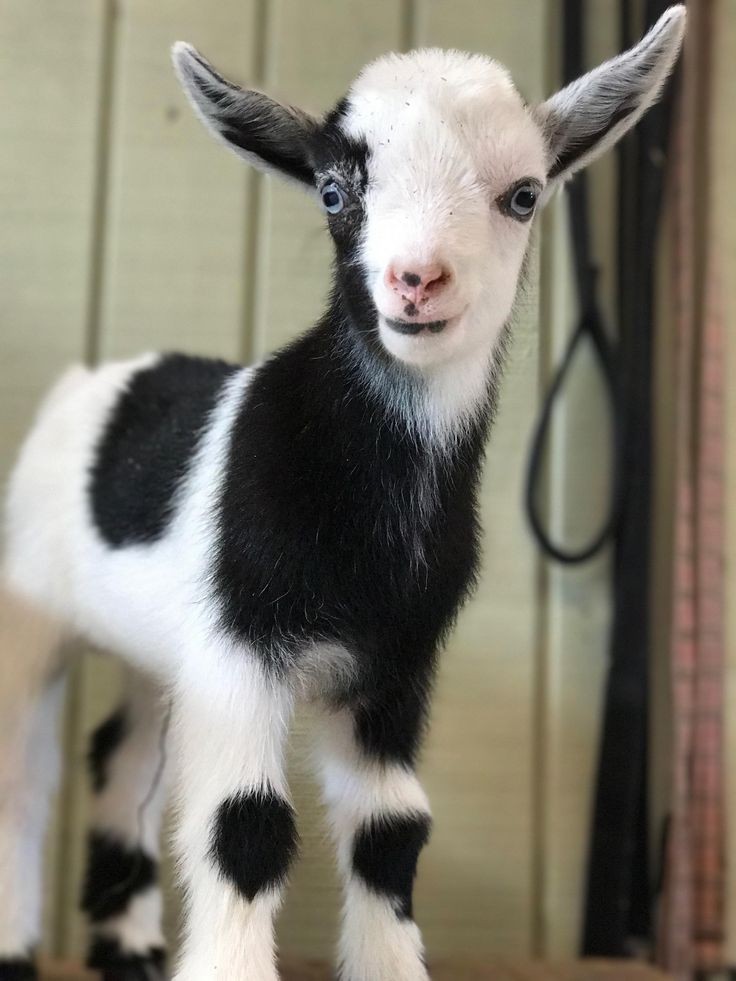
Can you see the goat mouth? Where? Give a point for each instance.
(411, 327)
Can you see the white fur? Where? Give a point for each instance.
(138, 929)
(374, 942)
(29, 771)
(448, 133)
(237, 748)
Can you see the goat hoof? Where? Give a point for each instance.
(17, 969)
(115, 964)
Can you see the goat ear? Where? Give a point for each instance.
(269, 135)
(588, 116)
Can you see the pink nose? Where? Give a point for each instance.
(416, 284)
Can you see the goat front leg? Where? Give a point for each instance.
(381, 820)
(237, 834)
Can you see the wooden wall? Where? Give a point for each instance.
(124, 228)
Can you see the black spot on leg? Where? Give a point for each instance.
(114, 964)
(411, 279)
(115, 874)
(104, 741)
(385, 855)
(389, 721)
(17, 969)
(254, 841)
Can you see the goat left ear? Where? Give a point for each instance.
(271, 136)
(588, 116)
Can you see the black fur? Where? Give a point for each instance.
(104, 741)
(255, 123)
(322, 533)
(115, 874)
(385, 855)
(114, 964)
(17, 969)
(148, 444)
(254, 841)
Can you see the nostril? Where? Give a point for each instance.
(438, 283)
(411, 279)
(392, 278)
(438, 280)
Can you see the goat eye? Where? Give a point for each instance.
(521, 201)
(333, 198)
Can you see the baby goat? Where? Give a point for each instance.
(304, 528)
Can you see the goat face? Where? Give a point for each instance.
(436, 219)
(430, 172)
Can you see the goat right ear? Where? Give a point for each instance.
(269, 135)
(588, 116)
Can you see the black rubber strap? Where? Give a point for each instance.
(591, 328)
(618, 891)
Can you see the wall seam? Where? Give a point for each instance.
(67, 803)
(408, 25)
(540, 940)
(102, 183)
(254, 198)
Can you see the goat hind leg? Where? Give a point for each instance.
(121, 894)
(31, 695)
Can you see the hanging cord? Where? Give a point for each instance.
(591, 327)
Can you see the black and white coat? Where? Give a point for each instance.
(303, 529)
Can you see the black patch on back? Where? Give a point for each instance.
(107, 956)
(103, 743)
(385, 855)
(17, 969)
(148, 444)
(254, 841)
(115, 874)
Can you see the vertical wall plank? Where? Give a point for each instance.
(577, 601)
(49, 124)
(723, 162)
(173, 263)
(48, 111)
(177, 204)
(476, 887)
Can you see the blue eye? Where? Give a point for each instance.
(333, 198)
(522, 201)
